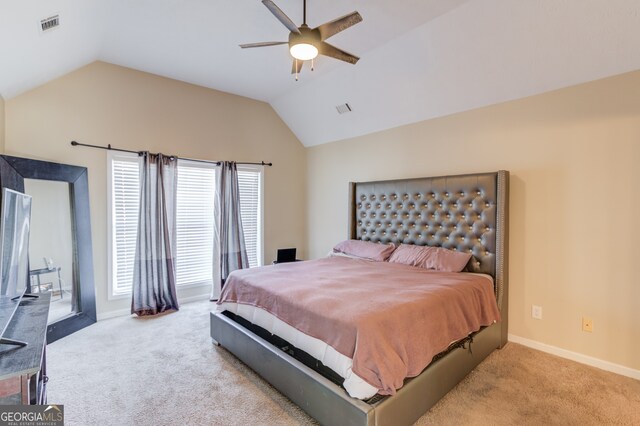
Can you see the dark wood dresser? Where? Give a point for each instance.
(23, 375)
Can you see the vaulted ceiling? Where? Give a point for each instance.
(420, 59)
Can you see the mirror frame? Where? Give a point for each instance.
(13, 172)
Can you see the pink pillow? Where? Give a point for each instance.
(365, 249)
(427, 257)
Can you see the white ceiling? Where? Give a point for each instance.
(420, 58)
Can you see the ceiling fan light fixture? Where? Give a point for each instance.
(303, 51)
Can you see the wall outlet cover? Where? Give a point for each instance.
(536, 311)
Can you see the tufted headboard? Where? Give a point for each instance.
(465, 213)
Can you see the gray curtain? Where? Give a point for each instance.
(154, 276)
(231, 248)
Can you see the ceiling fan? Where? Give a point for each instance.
(306, 43)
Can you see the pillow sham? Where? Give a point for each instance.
(365, 249)
(437, 258)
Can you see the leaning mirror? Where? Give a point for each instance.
(60, 251)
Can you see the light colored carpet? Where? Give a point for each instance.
(165, 371)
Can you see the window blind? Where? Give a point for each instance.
(125, 205)
(194, 223)
(250, 211)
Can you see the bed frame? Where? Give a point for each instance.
(464, 212)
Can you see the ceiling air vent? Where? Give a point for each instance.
(344, 108)
(49, 23)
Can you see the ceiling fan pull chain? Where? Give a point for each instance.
(296, 69)
(312, 64)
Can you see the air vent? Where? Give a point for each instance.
(344, 108)
(50, 23)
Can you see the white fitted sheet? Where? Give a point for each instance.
(341, 364)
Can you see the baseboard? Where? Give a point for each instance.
(575, 356)
(124, 312)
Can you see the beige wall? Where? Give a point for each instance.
(574, 157)
(1, 124)
(105, 104)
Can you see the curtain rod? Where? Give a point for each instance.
(110, 148)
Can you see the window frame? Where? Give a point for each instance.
(216, 170)
(111, 157)
(260, 170)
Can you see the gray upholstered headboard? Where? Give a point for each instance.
(465, 213)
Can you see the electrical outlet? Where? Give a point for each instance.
(536, 311)
(587, 324)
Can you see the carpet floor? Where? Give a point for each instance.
(165, 371)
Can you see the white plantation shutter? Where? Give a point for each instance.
(125, 196)
(249, 182)
(194, 223)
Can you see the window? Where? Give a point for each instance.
(124, 194)
(250, 187)
(194, 223)
(194, 219)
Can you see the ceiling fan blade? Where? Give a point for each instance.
(328, 50)
(297, 70)
(334, 27)
(280, 15)
(263, 44)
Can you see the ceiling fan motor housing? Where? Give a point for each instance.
(307, 35)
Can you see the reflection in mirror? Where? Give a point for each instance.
(51, 245)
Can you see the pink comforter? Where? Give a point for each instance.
(391, 319)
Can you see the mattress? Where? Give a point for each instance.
(340, 364)
(333, 308)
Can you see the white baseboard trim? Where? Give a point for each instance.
(114, 314)
(124, 312)
(575, 356)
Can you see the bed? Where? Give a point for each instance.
(466, 213)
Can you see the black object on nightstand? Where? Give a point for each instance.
(286, 255)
